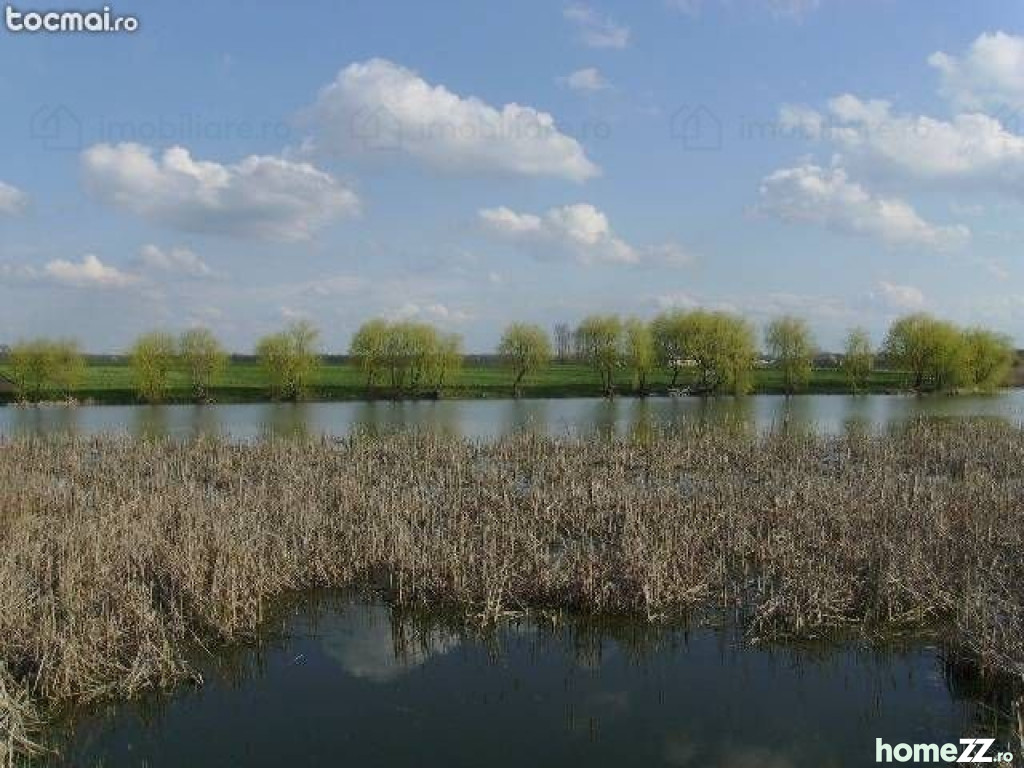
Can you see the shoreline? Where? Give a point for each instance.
(112, 382)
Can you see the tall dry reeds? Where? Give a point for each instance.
(117, 555)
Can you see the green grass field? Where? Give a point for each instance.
(111, 382)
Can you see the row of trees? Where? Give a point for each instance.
(290, 361)
(712, 351)
(721, 347)
(414, 356)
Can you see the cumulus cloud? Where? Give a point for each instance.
(582, 231)
(177, 261)
(827, 197)
(90, 272)
(899, 298)
(377, 105)
(261, 197)
(988, 75)
(588, 79)
(595, 29)
(12, 200)
(970, 149)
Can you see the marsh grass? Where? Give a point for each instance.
(119, 557)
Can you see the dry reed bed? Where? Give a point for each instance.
(117, 554)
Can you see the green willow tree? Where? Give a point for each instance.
(368, 349)
(669, 337)
(448, 359)
(203, 358)
(32, 364)
(989, 358)
(69, 367)
(723, 347)
(639, 351)
(932, 353)
(599, 340)
(790, 344)
(858, 359)
(524, 348)
(290, 360)
(153, 357)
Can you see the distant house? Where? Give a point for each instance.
(7, 387)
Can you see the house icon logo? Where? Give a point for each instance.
(698, 128)
(56, 127)
(376, 129)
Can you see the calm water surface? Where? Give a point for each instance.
(358, 685)
(490, 418)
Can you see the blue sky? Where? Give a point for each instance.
(473, 163)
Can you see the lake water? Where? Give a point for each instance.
(490, 418)
(354, 684)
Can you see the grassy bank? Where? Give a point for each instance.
(245, 381)
(117, 555)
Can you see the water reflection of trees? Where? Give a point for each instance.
(150, 421)
(287, 420)
(621, 417)
(43, 419)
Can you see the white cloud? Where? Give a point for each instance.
(810, 193)
(432, 312)
(580, 230)
(90, 272)
(989, 75)
(180, 261)
(801, 121)
(380, 106)
(596, 30)
(970, 149)
(588, 79)
(12, 200)
(261, 197)
(900, 298)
